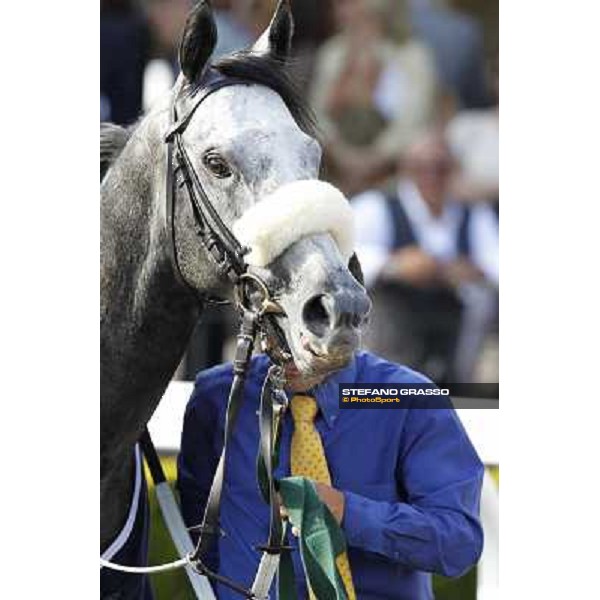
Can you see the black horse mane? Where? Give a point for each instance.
(261, 69)
(112, 141)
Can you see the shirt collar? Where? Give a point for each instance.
(327, 393)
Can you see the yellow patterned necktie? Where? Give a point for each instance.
(308, 460)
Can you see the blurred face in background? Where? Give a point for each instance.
(429, 164)
(167, 18)
(358, 17)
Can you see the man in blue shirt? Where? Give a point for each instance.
(405, 487)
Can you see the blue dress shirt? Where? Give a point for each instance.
(410, 476)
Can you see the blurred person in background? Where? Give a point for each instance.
(474, 138)
(457, 42)
(123, 56)
(431, 264)
(374, 89)
(165, 19)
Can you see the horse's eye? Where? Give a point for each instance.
(217, 165)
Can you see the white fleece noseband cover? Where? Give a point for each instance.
(293, 211)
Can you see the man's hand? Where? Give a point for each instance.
(334, 499)
(413, 266)
(461, 271)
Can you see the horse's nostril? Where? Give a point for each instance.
(323, 313)
(315, 316)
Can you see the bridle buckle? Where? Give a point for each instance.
(241, 291)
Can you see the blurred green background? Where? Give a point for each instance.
(173, 585)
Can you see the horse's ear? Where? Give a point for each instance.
(277, 38)
(198, 40)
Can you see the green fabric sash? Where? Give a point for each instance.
(321, 540)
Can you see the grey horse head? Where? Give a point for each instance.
(247, 142)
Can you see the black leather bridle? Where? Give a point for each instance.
(223, 247)
(253, 300)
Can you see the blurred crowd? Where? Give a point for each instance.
(406, 98)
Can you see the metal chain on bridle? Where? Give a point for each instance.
(254, 303)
